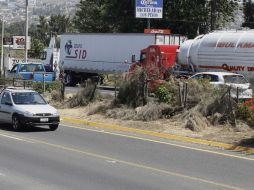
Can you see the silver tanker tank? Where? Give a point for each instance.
(219, 51)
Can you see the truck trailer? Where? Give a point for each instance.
(231, 51)
(84, 56)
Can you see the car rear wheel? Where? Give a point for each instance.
(53, 127)
(16, 123)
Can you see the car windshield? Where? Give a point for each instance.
(31, 68)
(27, 98)
(236, 79)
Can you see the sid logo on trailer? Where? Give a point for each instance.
(74, 51)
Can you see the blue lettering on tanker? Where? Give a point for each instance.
(74, 51)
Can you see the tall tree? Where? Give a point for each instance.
(43, 30)
(15, 29)
(121, 16)
(189, 17)
(59, 24)
(91, 16)
(181, 16)
(248, 12)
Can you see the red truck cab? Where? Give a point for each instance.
(157, 60)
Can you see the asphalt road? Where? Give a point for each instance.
(86, 158)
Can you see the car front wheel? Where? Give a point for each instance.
(16, 123)
(53, 127)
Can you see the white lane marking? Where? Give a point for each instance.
(166, 143)
(1, 174)
(15, 138)
(111, 161)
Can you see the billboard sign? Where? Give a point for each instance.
(149, 8)
(8, 41)
(20, 41)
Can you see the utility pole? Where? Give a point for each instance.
(148, 23)
(2, 47)
(26, 36)
(212, 15)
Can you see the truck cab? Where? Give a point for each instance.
(157, 60)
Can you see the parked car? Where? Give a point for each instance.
(22, 108)
(236, 81)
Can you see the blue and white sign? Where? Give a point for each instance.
(149, 8)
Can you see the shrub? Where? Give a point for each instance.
(84, 96)
(245, 111)
(49, 86)
(164, 94)
(132, 91)
(56, 95)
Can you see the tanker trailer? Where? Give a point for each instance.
(219, 51)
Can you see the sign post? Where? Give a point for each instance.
(149, 9)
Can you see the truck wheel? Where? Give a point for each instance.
(16, 125)
(69, 80)
(53, 127)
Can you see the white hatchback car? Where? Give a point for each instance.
(236, 81)
(21, 107)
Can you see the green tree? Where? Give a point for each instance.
(248, 12)
(43, 30)
(59, 24)
(36, 48)
(189, 17)
(121, 16)
(14, 29)
(91, 16)
(181, 16)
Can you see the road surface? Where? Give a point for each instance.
(81, 157)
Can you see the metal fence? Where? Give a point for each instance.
(4, 83)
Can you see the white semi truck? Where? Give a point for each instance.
(231, 50)
(84, 56)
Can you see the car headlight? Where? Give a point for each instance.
(29, 114)
(55, 113)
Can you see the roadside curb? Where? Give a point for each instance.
(161, 135)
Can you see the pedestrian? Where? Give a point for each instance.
(56, 71)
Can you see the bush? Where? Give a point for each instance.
(49, 86)
(245, 111)
(56, 95)
(164, 94)
(84, 96)
(132, 91)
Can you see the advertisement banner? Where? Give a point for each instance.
(149, 8)
(20, 41)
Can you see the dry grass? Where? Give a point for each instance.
(100, 107)
(84, 96)
(206, 107)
